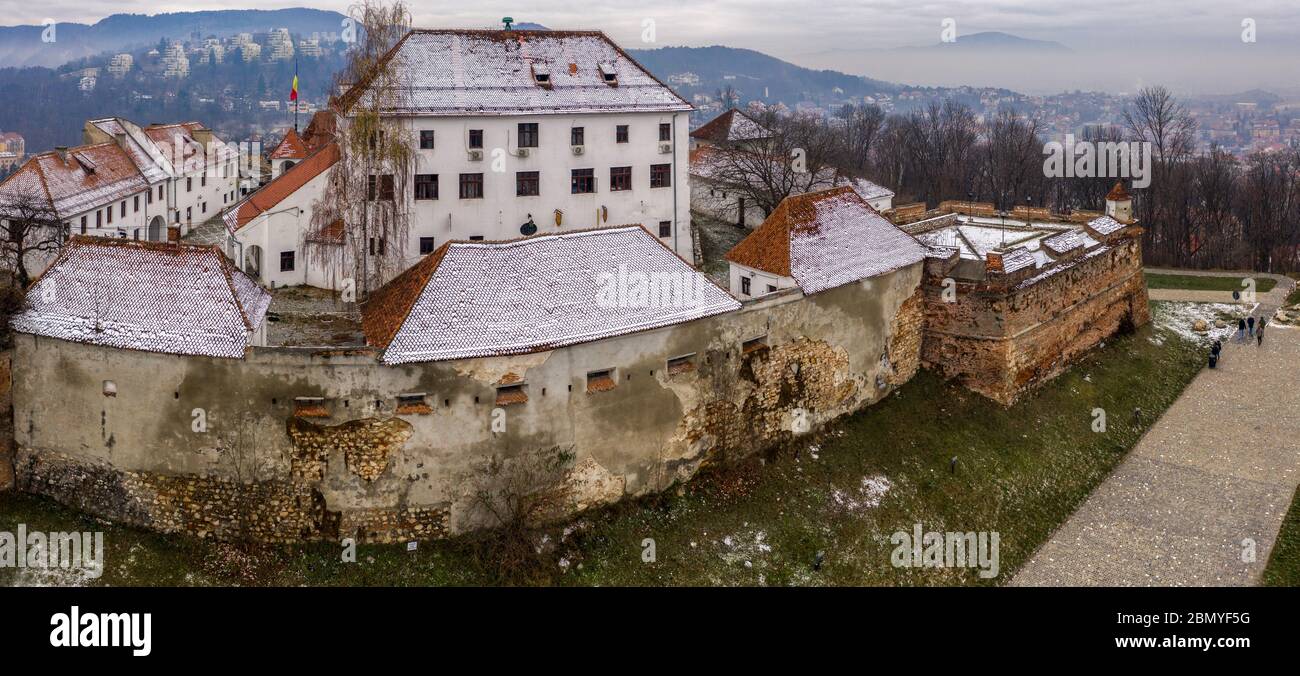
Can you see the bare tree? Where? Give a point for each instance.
(369, 187)
(1009, 159)
(32, 231)
(862, 126)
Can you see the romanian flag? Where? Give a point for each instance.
(293, 95)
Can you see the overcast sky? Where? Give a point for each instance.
(1109, 31)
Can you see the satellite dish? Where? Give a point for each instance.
(529, 228)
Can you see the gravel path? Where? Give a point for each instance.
(1216, 471)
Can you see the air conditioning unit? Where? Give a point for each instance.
(665, 148)
(476, 155)
(578, 150)
(522, 152)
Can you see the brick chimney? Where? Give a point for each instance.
(63, 152)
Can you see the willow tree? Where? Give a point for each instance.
(361, 223)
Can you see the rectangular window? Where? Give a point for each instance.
(135, 234)
(189, 214)
(426, 139)
(665, 228)
(135, 204)
(528, 183)
(601, 381)
(744, 286)
(426, 186)
(426, 245)
(476, 238)
(527, 134)
(383, 184)
(109, 211)
(149, 197)
(681, 364)
(471, 186)
(160, 192)
(661, 175)
(584, 181)
(189, 184)
(286, 261)
(413, 404)
(576, 136)
(511, 394)
(203, 181)
(123, 214)
(476, 138)
(620, 133)
(99, 219)
(83, 225)
(665, 131)
(620, 178)
(771, 289)
(381, 248)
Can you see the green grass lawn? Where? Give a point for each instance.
(1283, 568)
(1020, 472)
(1201, 283)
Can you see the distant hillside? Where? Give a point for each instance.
(998, 42)
(755, 75)
(22, 45)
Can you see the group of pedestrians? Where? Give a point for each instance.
(1247, 330)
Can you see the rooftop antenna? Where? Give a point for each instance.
(508, 21)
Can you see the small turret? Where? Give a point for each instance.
(1119, 205)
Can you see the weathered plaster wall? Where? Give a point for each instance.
(1001, 342)
(213, 446)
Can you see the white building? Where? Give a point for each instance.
(521, 133)
(250, 51)
(131, 182)
(175, 63)
(309, 47)
(120, 65)
(729, 164)
(280, 44)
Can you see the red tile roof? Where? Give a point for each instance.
(284, 185)
(826, 239)
(290, 148)
(1118, 193)
(732, 125)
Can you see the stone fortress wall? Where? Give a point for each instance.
(292, 444)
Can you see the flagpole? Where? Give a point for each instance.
(295, 89)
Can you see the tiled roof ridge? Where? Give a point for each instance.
(349, 98)
(396, 298)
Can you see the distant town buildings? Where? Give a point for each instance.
(279, 45)
(175, 63)
(12, 150)
(120, 65)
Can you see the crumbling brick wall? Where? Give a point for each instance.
(1002, 342)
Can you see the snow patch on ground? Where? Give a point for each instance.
(867, 495)
(1177, 318)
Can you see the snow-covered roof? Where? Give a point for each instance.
(1015, 259)
(81, 179)
(731, 126)
(1105, 225)
(151, 296)
(478, 299)
(148, 158)
(827, 239)
(866, 188)
(490, 72)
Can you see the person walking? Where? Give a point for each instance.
(1250, 322)
(1241, 330)
(1259, 335)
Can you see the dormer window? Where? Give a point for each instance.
(608, 74)
(542, 75)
